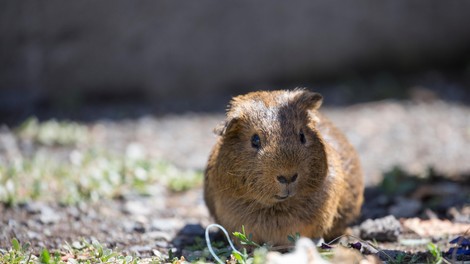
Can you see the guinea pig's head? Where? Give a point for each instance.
(270, 148)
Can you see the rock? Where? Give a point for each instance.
(158, 236)
(162, 244)
(131, 226)
(139, 250)
(166, 224)
(139, 227)
(33, 207)
(382, 229)
(49, 216)
(461, 215)
(192, 230)
(136, 208)
(32, 235)
(74, 212)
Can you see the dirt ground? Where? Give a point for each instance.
(422, 151)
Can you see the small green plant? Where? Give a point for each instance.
(185, 180)
(17, 254)
(200, 246)
(435, 252)
(78, 252)
(402, 258)
(242, 257)
(88, 174)
(245, 239)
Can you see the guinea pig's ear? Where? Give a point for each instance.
(309, 100)
(225, 126)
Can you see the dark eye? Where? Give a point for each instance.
(255, 141)
(302, 137)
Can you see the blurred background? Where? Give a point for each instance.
(106, 99)
(173, 56)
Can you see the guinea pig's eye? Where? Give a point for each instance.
(255, 141)
(302, 137)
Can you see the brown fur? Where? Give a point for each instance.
(241, 181)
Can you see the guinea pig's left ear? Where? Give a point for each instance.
(225, 126)
(309, 100)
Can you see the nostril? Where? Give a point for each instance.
(294, 178)
(281, 179)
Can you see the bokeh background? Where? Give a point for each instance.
(176, 56)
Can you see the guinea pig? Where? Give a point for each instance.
(279, 167)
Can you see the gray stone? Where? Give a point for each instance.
(192, 230)
(33, 207)
(382, 229)
(49, 216)
(141, 249)
(166, 224)
(136, 208)
(162, 244)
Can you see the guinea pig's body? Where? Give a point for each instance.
(279, 167)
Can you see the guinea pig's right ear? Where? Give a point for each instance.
(309, 100)
(225, 126)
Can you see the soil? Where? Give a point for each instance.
(421, 149)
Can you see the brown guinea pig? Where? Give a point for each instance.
(279, 168)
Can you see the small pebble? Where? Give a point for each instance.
(386, 229)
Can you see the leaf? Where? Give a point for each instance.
(237, 256)
(434, 250)
(78, 245)
(239, 235)
(45, 257)
(15, 244)
(128, 258)
(26, 246)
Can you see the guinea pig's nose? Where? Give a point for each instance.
(287, 180)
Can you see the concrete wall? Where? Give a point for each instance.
(165, 50)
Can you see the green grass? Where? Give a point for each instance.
(87, 175)
(81, 170)
(53, 132)
(78, 252)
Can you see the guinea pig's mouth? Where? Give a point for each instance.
(281, 198)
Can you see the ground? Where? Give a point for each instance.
(135, 185)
